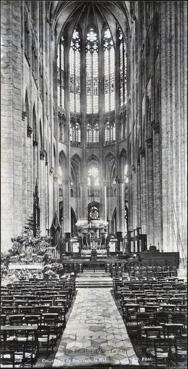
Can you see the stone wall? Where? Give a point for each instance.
(157, 129)
(27, 87)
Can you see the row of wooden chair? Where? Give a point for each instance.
(155, 316)
(33, 317)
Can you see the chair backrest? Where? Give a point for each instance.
(144, 318)
(7, 358)
(33, 319)
(178, 317)
(172, 330)
(50, 319)
(153, 333)
(162, 317)
(16, 319)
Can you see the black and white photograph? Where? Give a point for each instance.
(93, 184)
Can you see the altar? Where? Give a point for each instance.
(93, 236)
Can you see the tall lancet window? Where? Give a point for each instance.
(123, 69)
(74, 64)
(60, 73)
(92, 91)
(109, 71)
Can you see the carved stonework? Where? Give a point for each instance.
(51, 170)
(29, 131)
(42, 155)
(149, 142)
(155, 126)
(55, 177)
(24, 115)
(142, 151)
(133, 168)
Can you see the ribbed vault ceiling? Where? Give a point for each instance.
(70, 14)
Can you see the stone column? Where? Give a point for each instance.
(12, 126)
(105, 199)
(138, 198)
(66, 186)
(157, 186)
(120, 206)
(149, 199)
(42, 195)
(84, 167)
(143, 215)
(173, 130)
(103, 202)
(66, 206)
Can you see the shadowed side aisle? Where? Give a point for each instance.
(95, 332)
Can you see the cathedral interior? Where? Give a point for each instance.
(94, 165)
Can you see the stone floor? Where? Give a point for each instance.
(95, 332)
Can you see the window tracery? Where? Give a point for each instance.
(92, 72)
(75, 132)
(60, 73)
(74, 77)
(26, 36)
(123, 68)
(109, 71)
(110, 133)
(92, 133)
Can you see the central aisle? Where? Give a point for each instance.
(95, 332)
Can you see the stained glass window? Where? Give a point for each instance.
(74, 76)
(123, 69)
(110, 131)
(93, 176)
(92, 133)
(26, 35)
(109, 71)
(126, 178)
(60, 73)
(92, 72)
(75, 132)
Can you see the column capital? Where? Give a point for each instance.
(120, 180)
(29, 131)
(142, 151)
(42, 155)
(155, 125)
(133, 168)
(149, 142)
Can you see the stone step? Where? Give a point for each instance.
(91, 279)
(93, 276)
(102, 285)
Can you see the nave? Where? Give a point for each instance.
(93, 184)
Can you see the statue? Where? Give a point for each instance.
(55, 230)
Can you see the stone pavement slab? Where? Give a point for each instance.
(95, 332)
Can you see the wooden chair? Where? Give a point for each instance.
(180, 348)
(25, 350)
(144, 319)
(7, 358)
(172, 330)
(160, 351)
(17, 319)
(178, 317)
(161, 317)
(47, 338)
(2, 319)
(33, 319)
